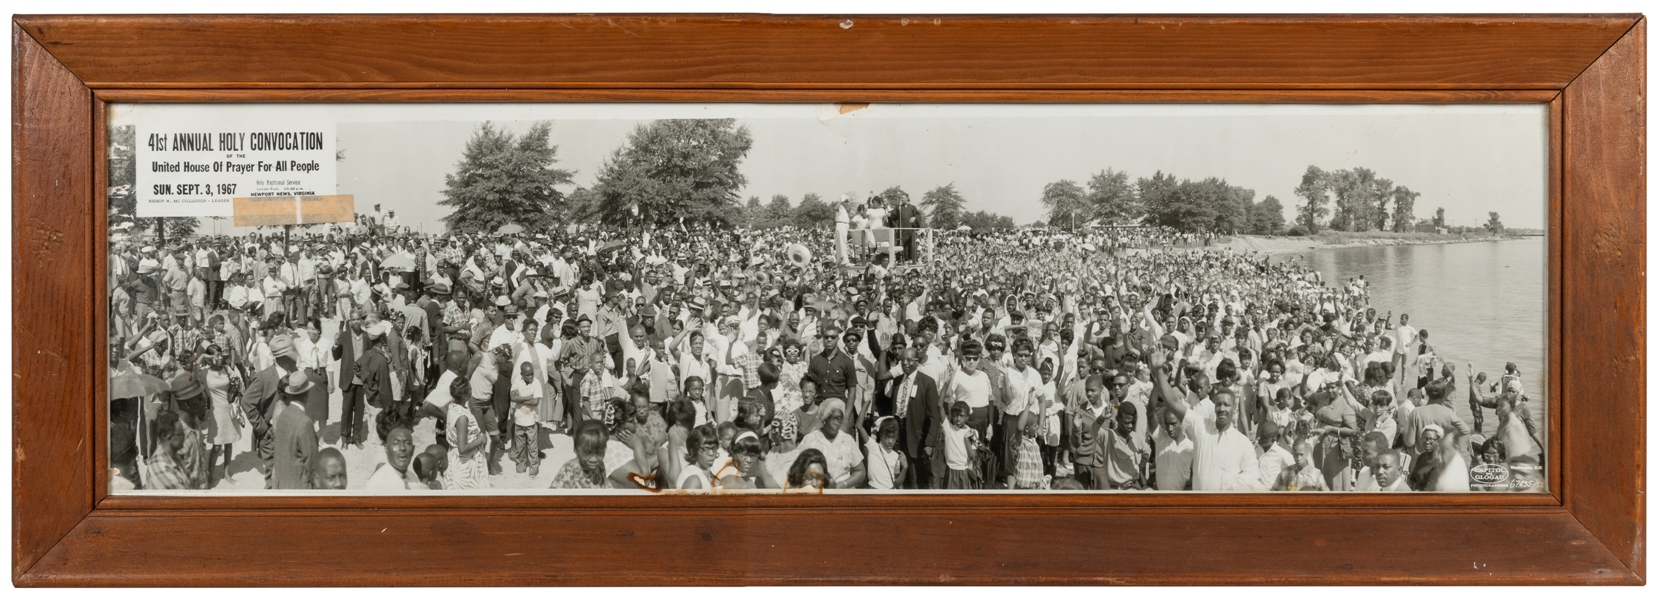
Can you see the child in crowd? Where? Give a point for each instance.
(885, 464)
(1301, 476)
(526, 395)
(1027, 466)
(959, 442)
(429, 466)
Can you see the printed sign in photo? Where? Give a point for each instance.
(197, 169)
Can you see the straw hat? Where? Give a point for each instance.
(298, 383)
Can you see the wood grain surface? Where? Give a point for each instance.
(782, 52)
(1589, 530)
(827, 96)
(52, 302)
(806, 546)
(1604, 309)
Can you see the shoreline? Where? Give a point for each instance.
(1279, 245)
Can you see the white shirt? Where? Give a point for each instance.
(439, 396)
(1273, 461)
(386, 478)
(1022, 390)
(1174, 461)
(1406, 335)
(1222, 461)
(973, 389)
(1453, 477)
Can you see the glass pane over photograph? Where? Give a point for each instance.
(890, 298)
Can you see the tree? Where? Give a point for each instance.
(753, 212)
(1439, 217)
(778, 212)
(582, 207)
(1351, 206)
(892, 195)
(1266, 217)
(673, 170)
(1065, 202)
(1381, 191)
(1315, 191)
(1155, 194)
(813, 212)
(504, 179)
(980, 220)
(1231, 205)
(1111, 198)
(945, 206)
(123, 192)
(1404, 207)
(1494, 224)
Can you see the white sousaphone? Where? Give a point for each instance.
(799, 255)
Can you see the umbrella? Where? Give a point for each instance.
(964, 228)
(510, 228)
(136, 385)
(398, 262)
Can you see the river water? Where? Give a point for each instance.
(1481, 302)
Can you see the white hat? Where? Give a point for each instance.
(502, 301)
(147, 249)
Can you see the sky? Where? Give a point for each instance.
(1469, 159)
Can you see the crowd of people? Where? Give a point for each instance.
(789, 359)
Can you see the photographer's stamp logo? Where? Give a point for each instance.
(1488, 474)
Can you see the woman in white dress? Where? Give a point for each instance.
(225, 428)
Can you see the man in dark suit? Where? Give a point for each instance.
(295, 437)
(908, 217)
(916, 401)
(347, 348)
(374, 372)
(259, 404)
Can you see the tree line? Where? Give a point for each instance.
(1208, 205)
(1358, 199)
(667, 172)
(1355, 200)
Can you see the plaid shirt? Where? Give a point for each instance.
(185, 339)
(750, 364)
(594, 393)
(163, 473)
(582, 355)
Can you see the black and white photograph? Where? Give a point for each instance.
(392, 299)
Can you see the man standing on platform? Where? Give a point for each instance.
(908, 218)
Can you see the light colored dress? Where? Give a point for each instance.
(222, 430)
(883, 466)
(842, 453)
(464, 474)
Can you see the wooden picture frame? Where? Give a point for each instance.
(1590, 528)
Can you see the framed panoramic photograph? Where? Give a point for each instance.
(1296, 296)
(580, 292)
